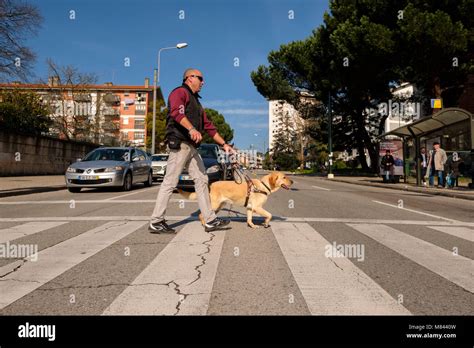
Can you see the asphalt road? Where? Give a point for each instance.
(399, 253)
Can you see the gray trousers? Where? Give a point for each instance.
(177, 161)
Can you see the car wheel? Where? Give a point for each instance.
(149, 181)
(127, 182)
(74, 189)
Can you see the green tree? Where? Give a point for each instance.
(160, 127)
(23, 112)
(286, 161)
(361, 51)
(223, 128)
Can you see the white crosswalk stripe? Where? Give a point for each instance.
(177, 281)
(330, 285)
(9, 234)
(455, 268)
(180, 279)
(460, 232)
(56, 260)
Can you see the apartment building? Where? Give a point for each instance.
(279, 110)
(282, 116)
(107, 114)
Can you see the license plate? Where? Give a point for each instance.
(88, 177)
(185, 177)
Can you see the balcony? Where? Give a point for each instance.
(110, 112)
(110, 98)
(110, 126)
(82, 98)
(111, 118)
(140, 109)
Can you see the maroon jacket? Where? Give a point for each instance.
(183, 102)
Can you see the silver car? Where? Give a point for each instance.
(110, 166)
(158, 163)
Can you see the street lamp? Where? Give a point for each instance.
(156, 79)
(330, 174)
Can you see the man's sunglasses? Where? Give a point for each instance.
(198, 76)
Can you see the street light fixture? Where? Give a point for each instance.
(156, 79)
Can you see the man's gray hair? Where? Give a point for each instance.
(187, 71)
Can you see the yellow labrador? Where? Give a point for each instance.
(222, 192)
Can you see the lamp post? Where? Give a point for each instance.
(330, 174)
(156, 80)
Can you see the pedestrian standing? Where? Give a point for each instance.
(185, 122)
(424, 164)
(387, 164)
(436, 164)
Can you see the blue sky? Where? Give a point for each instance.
(106, 32)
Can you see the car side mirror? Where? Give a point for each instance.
(78, 159)
(135, 159)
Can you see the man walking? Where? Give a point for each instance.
(436, 164)
(185, 122)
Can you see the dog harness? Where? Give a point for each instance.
(250, 184)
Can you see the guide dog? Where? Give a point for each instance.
(250, 195)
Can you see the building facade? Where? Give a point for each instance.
(106, 114)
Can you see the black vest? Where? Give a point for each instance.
(194, 113)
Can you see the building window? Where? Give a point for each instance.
(139, 135)
(140, 97)
(125, 120)
(139, 124)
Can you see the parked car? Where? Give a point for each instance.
(110, 166)
(158, 163)
(215, 170)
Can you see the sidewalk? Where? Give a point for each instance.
(24, 185)
(457, 192)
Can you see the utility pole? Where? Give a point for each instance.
(154, 113)
(330, 174)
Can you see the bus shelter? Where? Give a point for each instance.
(453, 128)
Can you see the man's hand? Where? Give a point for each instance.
(195, 136)
(227, 148)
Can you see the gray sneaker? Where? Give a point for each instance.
(215, 224)
(160, 227)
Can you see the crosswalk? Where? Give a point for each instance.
(180, 280)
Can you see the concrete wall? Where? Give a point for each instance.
(37, 155)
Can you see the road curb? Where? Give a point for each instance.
(408, 188)
(30, 190)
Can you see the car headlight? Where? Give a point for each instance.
(71, 170)
(213, 169)
(114, 169)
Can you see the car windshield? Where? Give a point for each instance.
(162, 158)
(207, 152)
(108, 155)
